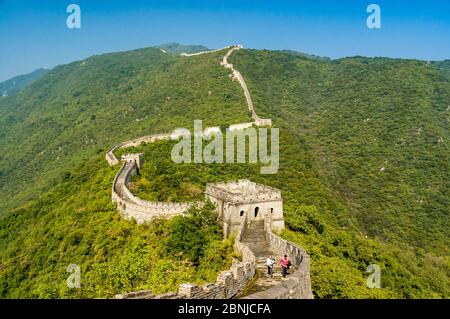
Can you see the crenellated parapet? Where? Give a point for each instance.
(112, 159)
(131, 206)
(205, 52)
(242, 191)
(298, 283)
(236, 199)
(142, 211)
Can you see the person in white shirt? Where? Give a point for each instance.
(270, 263)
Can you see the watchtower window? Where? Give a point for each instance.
(256, 211)
(271, 210)
(242, 213)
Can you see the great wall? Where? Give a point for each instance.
(252, 212)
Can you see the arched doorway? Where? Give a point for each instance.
(256, 211)
(241, 213)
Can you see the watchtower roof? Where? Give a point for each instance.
(242, 191)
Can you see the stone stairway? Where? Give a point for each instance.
(254, 237)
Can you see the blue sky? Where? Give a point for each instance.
(34, 34)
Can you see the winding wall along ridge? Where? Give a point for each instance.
(133, 207)
(238, 76)
(229, 282)
(204, 52)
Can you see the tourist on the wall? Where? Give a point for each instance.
(285, 263)
(270, 263)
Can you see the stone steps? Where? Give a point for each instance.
(255, 238)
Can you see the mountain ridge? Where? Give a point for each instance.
(17, 83)
(339, 122)
(178, 49)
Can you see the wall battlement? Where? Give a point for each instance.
(242, 191)
(132, 207)
(298, 284)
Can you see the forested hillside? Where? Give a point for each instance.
(18, 83)
(76, 223)
(443, 67)
(79, 108)
(364, 171)
(378, 132)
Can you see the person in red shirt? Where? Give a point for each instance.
(284, 262)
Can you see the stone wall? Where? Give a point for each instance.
(145, 139)
(240, 126)
(298, 286)
(132, 207)
(263, 122)
(137, 158)
(227, 285)
(235, 199)
(147, 294)
(232, 215)
(231, 281)
(267, 193)
(238, 76)
(205, 52)
(110, 157)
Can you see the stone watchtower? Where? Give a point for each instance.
(236, 199)
(138, 158)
